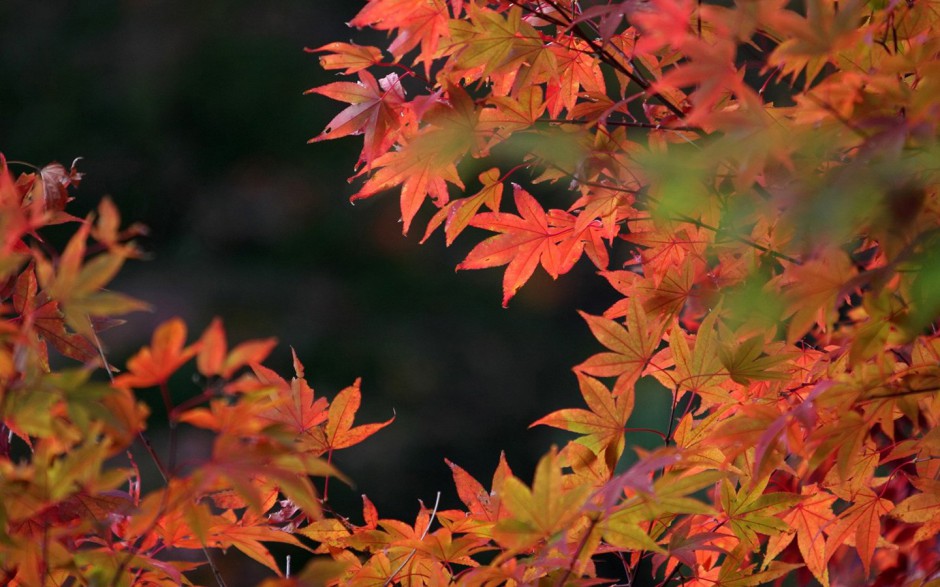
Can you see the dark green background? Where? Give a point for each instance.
(191, 115)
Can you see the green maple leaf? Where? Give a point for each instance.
(751, 512)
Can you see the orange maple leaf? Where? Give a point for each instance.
(352, 57)
(214, 358)
(154, 365)
(340, 432)
(631, 348)
(808, 519)
(457, 214)
(296, 406)
(602, 425)
(860, 525)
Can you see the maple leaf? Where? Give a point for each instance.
(574, 237)
(712, 70)
(483, 505)
(651, 500)
(47, 319)
(483, 508)
(602, 425)
(631, 348)
(541, 513)
(443, 547)
(154, 365)
(861, 525)
(813, 290)
(577, 71)
(107, 230)
(426, 162)
(673, 292)
(697, 439)
(609, 206)
(231, 420)
(922, 508)
(352, 57)
(625, 283)
(664, 250)
(627, 529)
(809, 42)
(847, 437)
(214, 358)
(457, 214)
(686, 541)
(808, 519)
(78, 285)
(422, 22)
(375, 111)
(296, 407)
(339, 430)
(750, 511)
(752, 360)
(523, 243)
(399, 540)
(496, 45)
(505, 115)
(699, 369)
(51, 191)
(225, 532)
(735, 572)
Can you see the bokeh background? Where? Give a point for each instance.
(191, 116)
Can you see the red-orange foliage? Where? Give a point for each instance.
(769, 170)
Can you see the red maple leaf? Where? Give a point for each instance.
(375, 111)
(523, 243)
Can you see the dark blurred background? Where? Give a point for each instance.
(191, 116)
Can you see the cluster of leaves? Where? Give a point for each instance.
(769, 172)
(75, 508)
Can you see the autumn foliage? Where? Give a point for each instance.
(759, 184)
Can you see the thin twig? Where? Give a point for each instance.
(164, 473)
(577, 553)
(391, 577)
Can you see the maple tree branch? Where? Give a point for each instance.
(408, 71)
(650, 125)
(606, 57)
(904, 393)
(215, 570)
(835, 114)
(140, 433)
(326, 480)
(685, 218)
(171, 422)
(649, 430)
(672, 418)
(624, 123)
(211, 391)
(574, 558)
(671, 576)
(743, 240)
